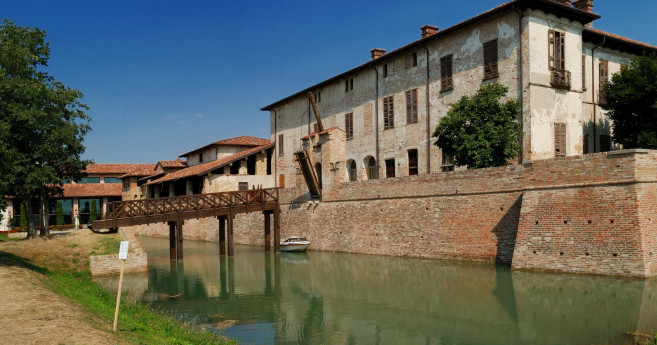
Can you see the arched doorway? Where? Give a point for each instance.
(370, 168)
(351, 170)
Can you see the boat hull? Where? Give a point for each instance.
(297, 247)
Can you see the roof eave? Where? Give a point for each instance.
(583, 17)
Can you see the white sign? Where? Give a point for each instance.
(123, 251)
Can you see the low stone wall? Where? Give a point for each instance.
(103, 265)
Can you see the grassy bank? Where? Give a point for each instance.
(63, 266)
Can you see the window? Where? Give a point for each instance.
(318, 97)
(412, 162)
(410, 60)
(556, 50)
(349, 125)
(89, 180)
(390, 168)
(411, 106)
(348, 85)
(388, 112)
(605, 142)
(112, 180)
(126, 183)
(446, 80)
(448, 163)
(414, 59)
(560, 139)
(242, 186)
(280, 144)
(585, 144)
(490, 59)
(387, 69)
(200, 157)
(371, 170)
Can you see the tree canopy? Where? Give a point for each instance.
(631, 103)
(481, 131)
(42, 123)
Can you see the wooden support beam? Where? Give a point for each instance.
(231, 249)
(222, 235)
(179, 237)
(267, 231)
(277, 230)
(173, 252)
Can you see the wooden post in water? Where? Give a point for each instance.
(173, 252)
(222, 235)
(179, 237)
(267, 215)
(231, 249)
(277, 230)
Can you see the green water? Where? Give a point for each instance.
(332, 298)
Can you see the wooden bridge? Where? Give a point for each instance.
(175, 210)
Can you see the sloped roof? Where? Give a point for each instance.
(87, 190)
(141, 170)
(204, 168)
(243, 140)
(550, 6)
(614, 41)
(178, 163)
(113, 168)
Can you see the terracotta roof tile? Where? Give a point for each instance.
(113, 168)
(81, 190)
(204, 168)
(178, 163)
(141, 170)
(243, 140)
(621, 38)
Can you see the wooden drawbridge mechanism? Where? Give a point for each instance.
(305, 161)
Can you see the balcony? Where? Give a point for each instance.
(560, 78)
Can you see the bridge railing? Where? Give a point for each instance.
(187, 203)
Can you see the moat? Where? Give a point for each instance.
(335, 298)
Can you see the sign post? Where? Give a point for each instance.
(123, 255)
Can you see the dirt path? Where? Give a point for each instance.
(32, 314)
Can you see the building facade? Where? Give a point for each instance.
(546, 52)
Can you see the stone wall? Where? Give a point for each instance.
(103, 265)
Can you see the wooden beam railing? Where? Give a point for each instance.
(234, 202)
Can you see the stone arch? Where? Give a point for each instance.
(352, 170)
(370, 168)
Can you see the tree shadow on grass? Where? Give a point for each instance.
(9, 260)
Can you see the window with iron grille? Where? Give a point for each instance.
(280, 144)
(412, 162)
(349, 125)
(388, 112)
(448, 163)
(243, 186)
(414, 59)
(411, 106)
(390, 168)
(490, 59)
(560, 139)
(387, 69)
(348, 85)
(318, 97)
(446, 80)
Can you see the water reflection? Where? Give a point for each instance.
(329, 298)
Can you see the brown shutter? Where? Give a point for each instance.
(551, 49)
(560, 139)
(409, 107)
(414, 110)
(562, 50)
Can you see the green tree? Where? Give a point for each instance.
(93, 214)
(631, 103)
(41, 120)
(23, 219)
(481, 131)
(60, 213)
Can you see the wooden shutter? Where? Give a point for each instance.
(561, 47)
(349, 125)
(414, 108)
(560, 139)
(280, 144)
(551, 49)
(409, 107)
(490, 59)
(446, 73)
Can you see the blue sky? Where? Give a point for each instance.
(165, 77)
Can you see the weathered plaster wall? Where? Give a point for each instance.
(133, 192)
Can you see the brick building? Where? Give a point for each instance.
(546, 52)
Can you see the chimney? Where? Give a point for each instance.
(584, 5)
(377, 53)
(428, 30)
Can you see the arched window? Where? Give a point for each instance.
(370, 166)
(318, 171)
(351, 170)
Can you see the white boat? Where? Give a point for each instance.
(294, 244)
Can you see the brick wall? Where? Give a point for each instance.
(103, 265)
